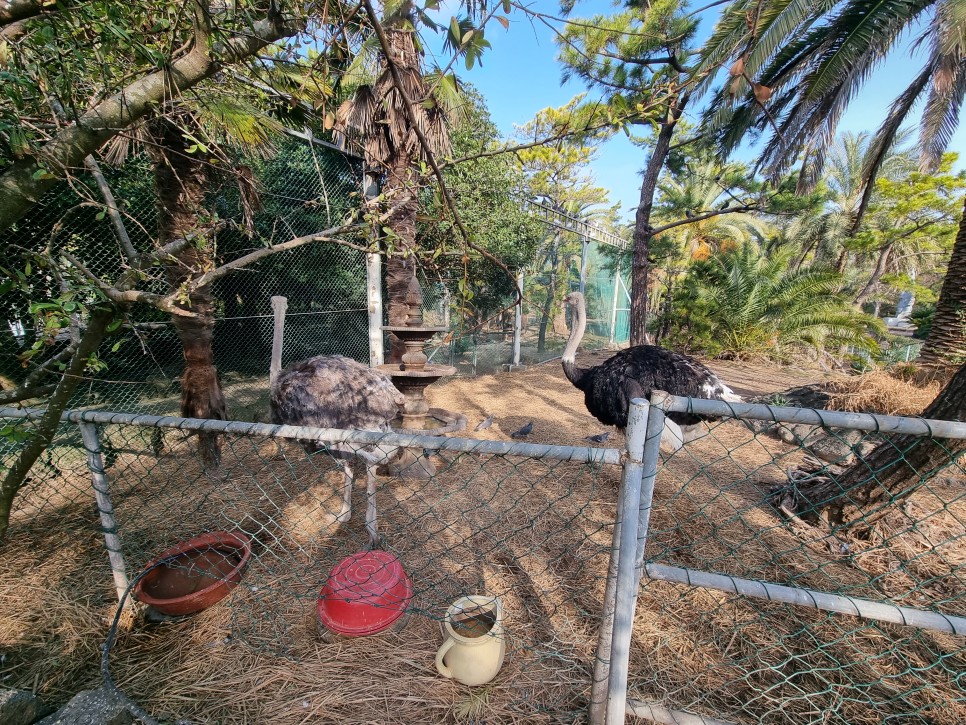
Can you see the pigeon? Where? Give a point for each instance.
(523, 432)
(599, 438)
(485, 423)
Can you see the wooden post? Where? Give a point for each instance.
(279, 306)
(518, 321)
(377, 352)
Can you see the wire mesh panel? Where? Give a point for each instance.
(814, 508)
(532, 531)
(303, 189)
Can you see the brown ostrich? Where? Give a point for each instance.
(337, 392)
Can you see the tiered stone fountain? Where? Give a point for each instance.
(412, 376)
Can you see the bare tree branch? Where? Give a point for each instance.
(705, 215)
(25, 393)
(112, 210)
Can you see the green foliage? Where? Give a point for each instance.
(745, 303)
(483, 191)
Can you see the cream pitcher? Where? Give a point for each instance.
(474, 647)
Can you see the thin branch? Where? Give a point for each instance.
(700, 10)
(44, 368)
(127, 296)
(705, 215)
(324, 236)
(112, 210)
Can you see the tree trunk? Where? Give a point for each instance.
(400, 264)
(44, 433)
(896, 468)
(880, 267)
(399, 186)
(946, 342)
(643, 231)
(551, 293)
(181, 180)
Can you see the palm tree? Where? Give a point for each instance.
(391, 98)
(748, 303)
(183, 142)
(797, 67)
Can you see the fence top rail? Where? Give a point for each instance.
(828, 418)
(577, 454)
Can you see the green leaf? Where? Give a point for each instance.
(506, 6)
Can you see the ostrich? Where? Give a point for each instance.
(336, 392)
(634, 373)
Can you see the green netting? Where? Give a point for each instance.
(303, 189)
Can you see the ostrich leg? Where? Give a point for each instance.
(671, 437)
(346, 513)
(372, 520)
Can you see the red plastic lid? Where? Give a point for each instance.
(364, 594)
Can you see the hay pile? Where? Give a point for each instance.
(880, 392)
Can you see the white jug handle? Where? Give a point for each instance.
(443, 669)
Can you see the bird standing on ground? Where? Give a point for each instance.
(337, 392)
(523, 432)
(599, 438)
(635, 373)
(485, 423)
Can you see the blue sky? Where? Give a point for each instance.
(520, 76)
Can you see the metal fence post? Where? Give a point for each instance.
(105, 508)
(613, 307)
(609, 687)
(652, 454)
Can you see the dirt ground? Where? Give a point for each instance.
(534, 532)
(542, 394)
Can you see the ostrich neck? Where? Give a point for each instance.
(569, 358)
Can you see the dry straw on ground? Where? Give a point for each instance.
(880, 392)
(533, 532)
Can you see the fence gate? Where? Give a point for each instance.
(750, 614)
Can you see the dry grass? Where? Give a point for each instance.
(534, 533)
(880, 392)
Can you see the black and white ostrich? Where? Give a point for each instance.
(634, 373)
(337, 392)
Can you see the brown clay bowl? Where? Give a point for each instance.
(194, 574)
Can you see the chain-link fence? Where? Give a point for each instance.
(805, 566)
(530, 525)
(302, 188)
(789, 566)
